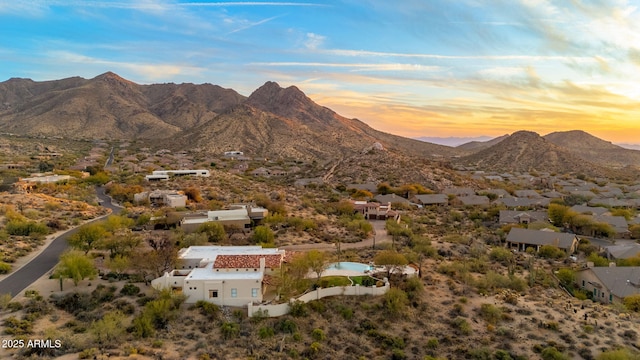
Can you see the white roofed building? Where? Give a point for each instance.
(223, 275)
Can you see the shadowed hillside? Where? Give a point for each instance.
(593, 149)
(525, 151)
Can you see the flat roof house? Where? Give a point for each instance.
(223, 275)
(238, 215)
(524, 238)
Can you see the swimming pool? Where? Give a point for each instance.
(352, 266)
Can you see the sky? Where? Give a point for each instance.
(436, 68)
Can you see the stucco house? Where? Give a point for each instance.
(168, 198)
(223, 275)
(374, 210)
(239, 215)
(610, 284)
(521, 239)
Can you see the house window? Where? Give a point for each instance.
(234, 292)
(254, 292)
(213, 293)
(582, 283)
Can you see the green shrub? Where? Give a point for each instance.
(551, 252)
(551, 353)
(318, 335)
(620, 354)
(129, 290)
(230, 330)
(25, 228)
(298, 309)
(432, 343)
(461, 325)
(4, 267)
(208, 309)
(346, 313)
(632, 302)
(501, 255)
(490, 313)
(15, 327)
(265, 332)
(395, 302)
(286, 326)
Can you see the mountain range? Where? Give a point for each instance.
(272, 122)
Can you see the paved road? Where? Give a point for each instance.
(48, 258)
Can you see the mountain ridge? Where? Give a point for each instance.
(188, 115)
(526, 151)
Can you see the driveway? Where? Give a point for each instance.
(48, 257)
(380, 236)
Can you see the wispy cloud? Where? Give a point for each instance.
(314, 41)
(364, 53)
(148, 72)
(355, 66)
(253, 24)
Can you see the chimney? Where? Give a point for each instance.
(263, 264)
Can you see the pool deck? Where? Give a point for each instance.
(407, 270)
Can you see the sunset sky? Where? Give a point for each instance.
(411, 67)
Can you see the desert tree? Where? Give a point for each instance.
(75, 266)
(87, 237)
(215, 231)
(122, 243)
(162, 257)
(263, 235)
(391, 260)
(108, 330)
(317, 262)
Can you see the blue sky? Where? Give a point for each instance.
(413, 68)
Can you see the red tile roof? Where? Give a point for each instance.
(246, 261)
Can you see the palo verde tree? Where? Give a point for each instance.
(75, 266)
(87, 237)
(263, 235)
(317, 262)
(214, 231)
(391, 260)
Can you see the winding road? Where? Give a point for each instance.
(48, 258)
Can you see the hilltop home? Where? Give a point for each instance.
(169, 198)
(521, 239)
(223, 275)
(609, 284)
(374, 210)
(165, 174)
(239, 215)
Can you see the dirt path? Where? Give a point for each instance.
(380, 236)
